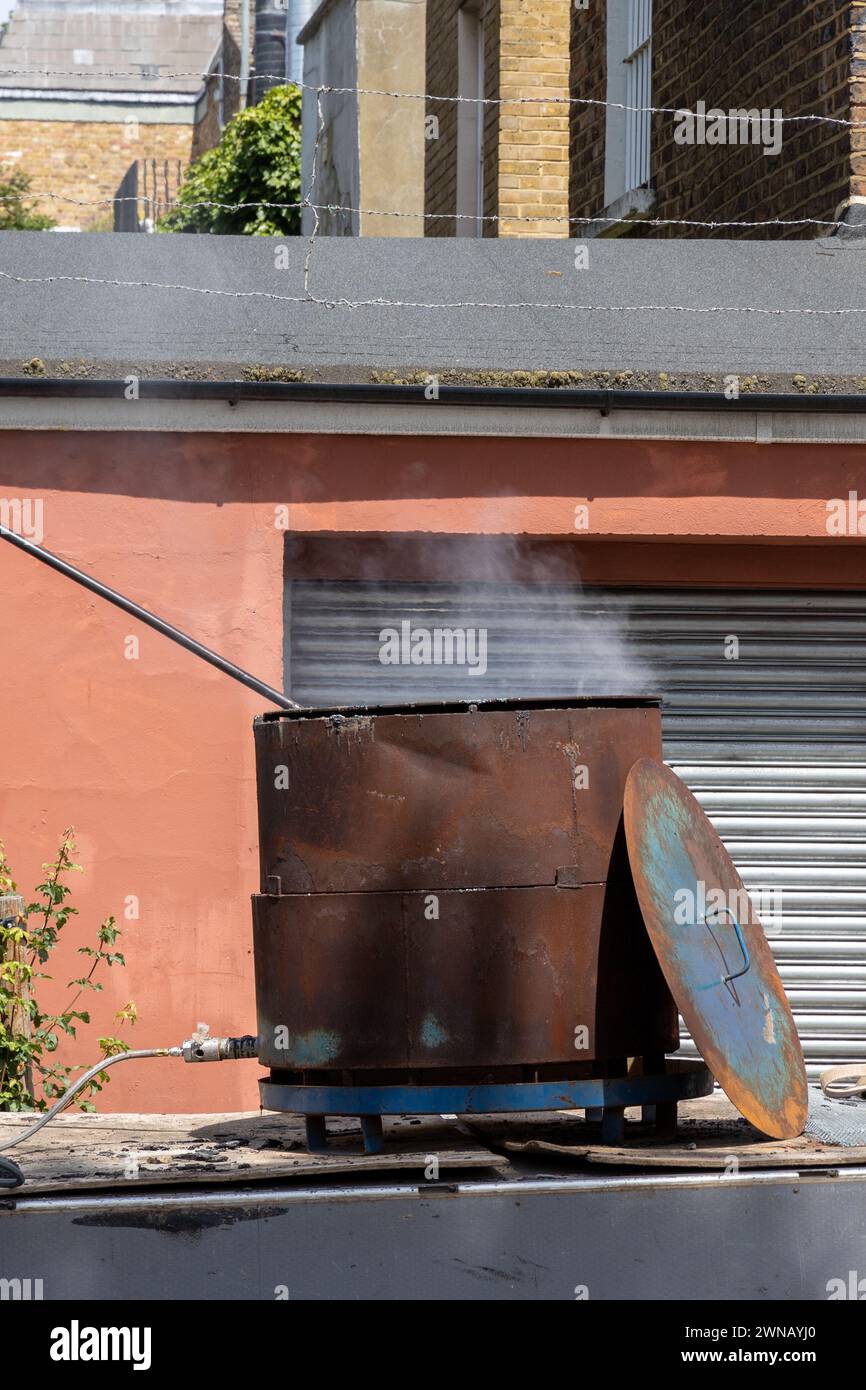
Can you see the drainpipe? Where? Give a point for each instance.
(245, 53)
(269, 47)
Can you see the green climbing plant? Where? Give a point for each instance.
(30, 1077)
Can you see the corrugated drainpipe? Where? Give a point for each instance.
(269, 47)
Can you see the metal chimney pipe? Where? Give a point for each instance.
(269, 46)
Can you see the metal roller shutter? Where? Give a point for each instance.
(764, 718)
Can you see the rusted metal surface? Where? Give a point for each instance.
(726, 983)
(447, 889)
(498, 979)
(492, 796)
(330, 981)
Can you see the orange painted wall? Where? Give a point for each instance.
(151, 759)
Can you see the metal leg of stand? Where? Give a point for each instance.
(613, 1124)
(651, 1065)
(317, 1134)
(666, 1119)
(374, 1138)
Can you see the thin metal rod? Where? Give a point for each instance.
(228, 668)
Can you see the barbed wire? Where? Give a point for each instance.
(382, 303)
(151, 285)
(280, 80)
(158, 200)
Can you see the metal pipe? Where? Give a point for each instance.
(72, 1091)
(221, 91)
(262, 1196)
(245, 55)
(198, 1048)
(228, 668)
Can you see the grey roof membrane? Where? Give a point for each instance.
(836, 1121)
(87, 42)
(639, 298)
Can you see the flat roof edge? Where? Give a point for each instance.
(508, 397)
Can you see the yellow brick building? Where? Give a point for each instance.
(88, 88)
(500, 168)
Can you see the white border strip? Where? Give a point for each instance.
(86, 95)
(335, 418)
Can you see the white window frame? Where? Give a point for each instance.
(629, 85)
(470, 120)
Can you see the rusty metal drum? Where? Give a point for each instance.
(445, 890)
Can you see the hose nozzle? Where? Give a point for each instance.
(201, 1047)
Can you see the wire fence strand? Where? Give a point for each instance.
(280, 80)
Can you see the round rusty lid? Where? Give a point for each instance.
(713, 951)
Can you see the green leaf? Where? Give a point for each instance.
(258, 160)
(33, 1037)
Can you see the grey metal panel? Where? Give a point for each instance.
(784, 1235)
(773, 744)
(796, 688)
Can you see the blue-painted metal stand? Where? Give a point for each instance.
(603, 1098)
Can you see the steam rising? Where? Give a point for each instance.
(542, 632)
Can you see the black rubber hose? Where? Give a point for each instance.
(10, 1173)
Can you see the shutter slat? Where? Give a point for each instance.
(773, 745)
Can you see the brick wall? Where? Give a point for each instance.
(526, 146)
(793, 55)
(231, 54)
(533, 139)
(231, 63)
(440, 153)
(232, 17)
(492, 114)
(85, 160)
(207, 132)
(586, 124)
(858, 99)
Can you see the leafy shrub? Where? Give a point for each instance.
(28, 1035)
(16, 213)
(258, 160)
